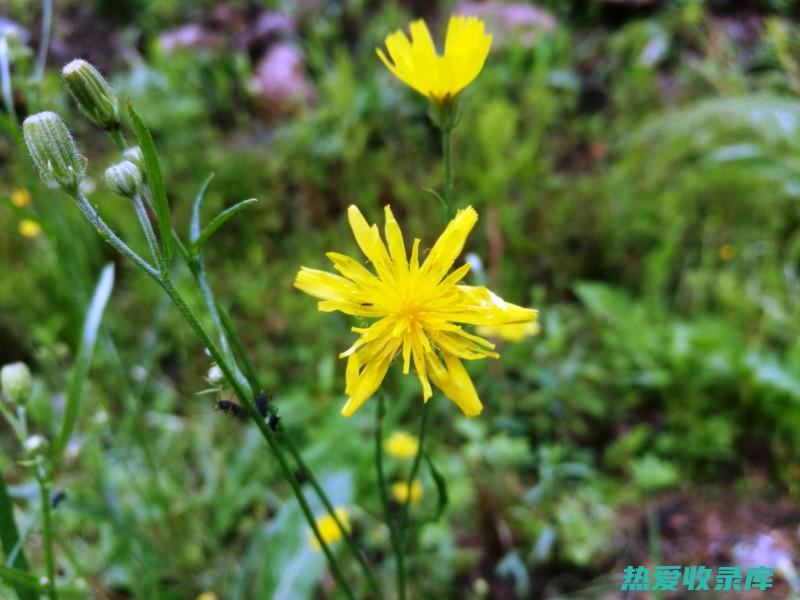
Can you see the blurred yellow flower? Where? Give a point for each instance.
(418, 310)
(207, 596)
(439, 77)
(402, 444)
(328, 528)
(400, 491)
(512, 333)
(727, 252)
(21, 198)
(29, 228)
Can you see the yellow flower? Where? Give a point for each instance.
(514, 332)
(402, 444)
(29, 228)
(727, 252)
(21, 198)
(207, 596)
(400, 491)
(418, 310)
(439, 77)
(328, 528)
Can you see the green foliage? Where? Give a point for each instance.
(638, 184)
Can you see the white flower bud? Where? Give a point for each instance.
(214, 375)
(92, 94)
(124, 179)
(16, 382)
(35, 446)
(54, 151)
(134, 154)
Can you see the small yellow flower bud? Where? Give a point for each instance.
(92, 93)
(29, 228)
(53, 151)
(21, 198)
(16, 382)
(124, 179)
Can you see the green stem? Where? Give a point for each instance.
(448, 172)
(238, 382)
(149, 233)
(332, 511)
(245, 395)
(252, 377)
(118, 138)
(108, 234)
(47, 533)
(423, 427)
(395, 536)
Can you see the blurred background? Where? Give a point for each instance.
(636, 167)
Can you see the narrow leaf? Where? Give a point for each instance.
(81, 369)
(218, 222)
(9, 538)
(194, 227)
(21, 580)
(441, 487)
(155, 180)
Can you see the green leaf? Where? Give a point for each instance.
(81, 369)
(9, 538)
(441, 487)
(155, 180)
(218, 222)
(194, 227)
(21, 580)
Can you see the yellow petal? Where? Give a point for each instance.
(454, 381)
(449, 245)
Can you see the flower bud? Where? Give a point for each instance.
(92, 93)
(35, 446)
(124, 179)
(134, 154)
(53, 151)
(16, 381)
(215, 375)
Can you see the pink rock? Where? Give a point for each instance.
(281, 79)
(189, 36)
(523, 22)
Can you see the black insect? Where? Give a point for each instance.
(231, 408)
(262, 403)
(273, 421)
(57, 498)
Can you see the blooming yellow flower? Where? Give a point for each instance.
(418, 307)
(207, 596)
(328, 528)
(400, 491)
(514, 332)
(402, 444)
(21, 198)
(29, 228)
(439, 77)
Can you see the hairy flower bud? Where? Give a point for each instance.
(35, 446)
(124, 179)
(53, 150)
(92, 93)
(134, 154)
(16, 383)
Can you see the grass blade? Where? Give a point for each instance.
(9, 538)
(218, 222)
(194, 227)
(441, 487)
(155, 180)
(21, 580)
(81, 369)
